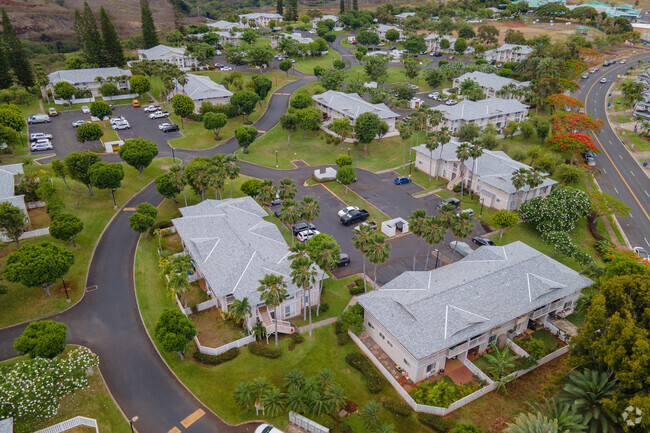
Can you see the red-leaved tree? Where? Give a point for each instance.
(575, 122)
(572, 142)
(560, 100)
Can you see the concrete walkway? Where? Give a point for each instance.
(316, 325)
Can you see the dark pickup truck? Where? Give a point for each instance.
(354, 217)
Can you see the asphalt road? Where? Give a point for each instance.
(622, 176)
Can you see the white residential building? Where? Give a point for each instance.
(261, 19)
(383, 28)
(337, 105)
(491, 83)
(227, 25)
(508, 53)
(233, 247)
(86, 79)
(495, 111)
(173, 55)
(490, 178)
(234, 38)
(8, 175)
(404, 15)
(337, 23)
(433, 43)
(421, 319)
(202, 89)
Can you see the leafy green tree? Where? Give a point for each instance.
(503, 220)
(166, 187)
(488, 34)
(214, 121)
(13, 222)
(392, 35)
(468, 133)
(65, 90)
(89, 132)
(139, 84)
(38, 265)
(262, 85)
(113, 51)
(346, 175)
(285, 65)
(310, 119)
(559, 211)
(60, 170)
(244, 101)
(245, 136)
(6, 79)
(78, 164)
(603, 204)
(411, 68)
(143, 219)
(11, 119)
(273, 293)
(569, 175)
(415, 44)
(290, 123)
(376, 68)
(365, 37)
(366, 128)
(460, 45)
(108, 90)
(104, 175)
(434, 76)
(445, 44)
(183, 107)
(42, 339)
(100, 109)
(138, 153)
(149, 35)
(473, 91)
(466, 31)
(301, 100)
(332, 79)
(15, 53)
(342, 128)
(66, 227)
(174, 331)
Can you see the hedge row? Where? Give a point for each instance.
(296, 339)
(436, 422)
(399, 408)
(374, 380)
(216, 359)
(264, 351)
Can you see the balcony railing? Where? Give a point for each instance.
(457, 350)
(476, 341)
(540, 312)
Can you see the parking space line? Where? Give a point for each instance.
(174, 430)
(129, 209)
(192, 418)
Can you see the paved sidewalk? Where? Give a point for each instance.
(317, 325)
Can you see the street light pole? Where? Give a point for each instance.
(481, 213)
(67, 297)
(437, 257)
(348, 151)
(276, 159)
(173, 155)
(131, 421)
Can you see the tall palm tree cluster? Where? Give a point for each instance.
(374, 248)
(579, 408)
(167, 74)
(433, 229)
(314, 395)
(174, 270)
(526, 177)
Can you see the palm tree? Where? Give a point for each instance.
(231, 168)
(463, 153)
(267, 194)
(327, 256)
(443, 137)
(178, 284)
(319, 403)
(313, 384)
(178, 179)
(386, 428)
(295, 379)
(310, 208)
(519, 179)
(274, 292)
(259, 331)
(568, 420)
(405, 132)
(461, 228)
(303, 275)
(417, 225)
(528, 422)
(587, 391)
(299, 250)
(245, 394)
(361, 241)
(369, 415)
(287, 189)
(378, 252)
(534, 178)
(240, 309)
(432, 144)
(434, 233)
(298, 400)
(500, 361)
(217, 179)
(274, 402)
(291, 214)
(475, 151)
(336, 396)
(326, 377)
(261, 386)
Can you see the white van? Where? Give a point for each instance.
(38, 118)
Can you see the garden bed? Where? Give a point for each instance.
(547, 343)
(38, 218)
(213, 330)
(482, 363)
(172, 243)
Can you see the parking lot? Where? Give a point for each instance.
(64, 135)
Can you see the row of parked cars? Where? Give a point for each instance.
(305, 231)
(40, 141)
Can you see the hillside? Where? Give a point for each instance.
(32, 18)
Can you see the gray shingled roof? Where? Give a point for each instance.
(434, 36)
(431, 311)
(233, 247)
(7, 425)
(385, 27)
(353, 105)
(200, 87)
(74, 76)
(161, 52)
(7, 173)
(253, 16)
(473, 110)
(227, 25)
(493, 81)
(521, 49)
(492, 167)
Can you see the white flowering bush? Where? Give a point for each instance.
(33, 387)
(558, 212)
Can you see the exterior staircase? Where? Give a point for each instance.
(284, 327)
(455, 181)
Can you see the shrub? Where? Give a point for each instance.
(216, 359)
(344, 428)
(436, 422)
(399, 408)
(374, 380)
(342, 339)
(441, 393)
(534, 347)
(356, 290)
(324, 307)
(264, 351)
(296, 338)
(160, 225)
(605, 249)
(339, 327)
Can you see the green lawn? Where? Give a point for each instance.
(395, 75)
(109, 133)
(640, 143)
(214, 385)
(314, 150)
(31, 107)
(94, 401)
(307, 65)
(351, 198)
(623, 118)
(422, 179)
(336, 295)
(21, 303)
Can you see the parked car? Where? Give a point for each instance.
(401, 180)
(436, 54)
(121, 126)
(277, 202)
(226, 68)
(159, 115)
(414, 87)
(354, 217)
(38, 118)
(39, 136)
(451, 102)
(278, 214)
(369, 223)
(461, 248)
(343, 261)
(135, 103)
(115, 120)
(313, 31)
(78, 123)
(41, 145)
(603, 80)
(581, 110)
(590, 158)
(85, 109)
(434, 95)
(469, 212)
(169, 127)
(622, 62)
(347, 210)
(585, 76)
(641, 252)
(451, 58)
(152, 108)
(164, 125)
(301, 226)
(452, 201)
(52, 112)
(305, 235)
(479, 240)
(218, 52)
(267, 428)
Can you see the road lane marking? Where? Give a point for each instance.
(174, 430)
(632, 173)
(192, 418)
(646, 241)
(619, 155)
(615, 190)
(604, 171)
(129, 209)
(646, 193)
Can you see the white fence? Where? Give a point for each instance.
(207, 304)
(35, 204)
(474, 369)
(70, 424)
(112, 98)
(518, 350)
(306, 423)
(442, 411)
(75, 101)
(226, 347)
(186, 311)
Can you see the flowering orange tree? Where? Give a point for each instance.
(558, 100)
(574, 143)
(575, 122)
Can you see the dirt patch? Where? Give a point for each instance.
(38, 218)
(213, 330)
(557, 31)
(173, 243)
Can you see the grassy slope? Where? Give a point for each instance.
(307, 65)
(21, 303)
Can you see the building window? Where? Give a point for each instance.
(389, 343)
(431, 367)
(382, 336)
(288, 310)
(370, 325)
(492, 339)
(405, 361)
(567, 305)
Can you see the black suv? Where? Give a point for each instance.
(170, 128)
(354, 217)
(452, 201)
(301, 226)
(344, 260)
